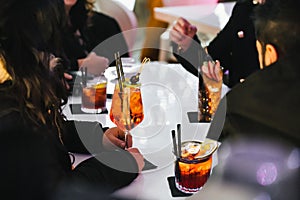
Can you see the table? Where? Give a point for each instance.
(209, 18)
(168, 93)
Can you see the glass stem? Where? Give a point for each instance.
(127, 140)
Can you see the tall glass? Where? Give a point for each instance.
(209, 92)
(127, 107)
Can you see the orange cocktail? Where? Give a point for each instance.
(127, 107)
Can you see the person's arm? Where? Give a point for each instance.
(189, 59)
(30, 168)
(83, 137)
(221, 47)
(186, 45)
(104, 169)
(110, 170)
(94, 63)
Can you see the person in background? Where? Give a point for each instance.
(36, 139)
(85, 31)
(234, 46)
(258, 120)
(266, 104)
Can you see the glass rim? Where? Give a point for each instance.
(208, 153)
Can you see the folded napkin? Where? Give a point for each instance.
(174, 191)
(193, 117)
(148, 165)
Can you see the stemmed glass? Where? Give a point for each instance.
(127, 107)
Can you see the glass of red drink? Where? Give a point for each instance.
(94, 95)
(193, 167)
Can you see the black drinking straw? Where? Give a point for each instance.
(118, 73)
(121, 67)
(83, 75)
(174, 144)
(179, 139)
(81, 69)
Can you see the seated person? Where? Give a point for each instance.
(36, 139)
(258, 119)
(266, 104)
(87, 31)
(234, 46)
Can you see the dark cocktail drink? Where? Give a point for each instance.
(193, 168)
(94, 98)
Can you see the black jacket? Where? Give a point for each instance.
(259, 122)
(236, 54)
(103, 36)
(36, 165)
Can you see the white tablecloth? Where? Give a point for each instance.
(168, 93)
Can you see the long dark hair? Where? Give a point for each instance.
(30, 33)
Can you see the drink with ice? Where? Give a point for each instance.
(193, 168)
(94, 95)
(127, 107)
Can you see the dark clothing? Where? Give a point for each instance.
(35, 164)
(251, 167)
(237, 54)
(103, 36)
(266, 105)
(259, 121)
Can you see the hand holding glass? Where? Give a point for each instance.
(210, 87)
(127, 107)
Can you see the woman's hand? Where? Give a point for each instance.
(95, 64)
(182, 33)
(115, 137)
(212, 70)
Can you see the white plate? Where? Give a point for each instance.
(111, 72)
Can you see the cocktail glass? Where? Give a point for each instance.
(127, 107)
